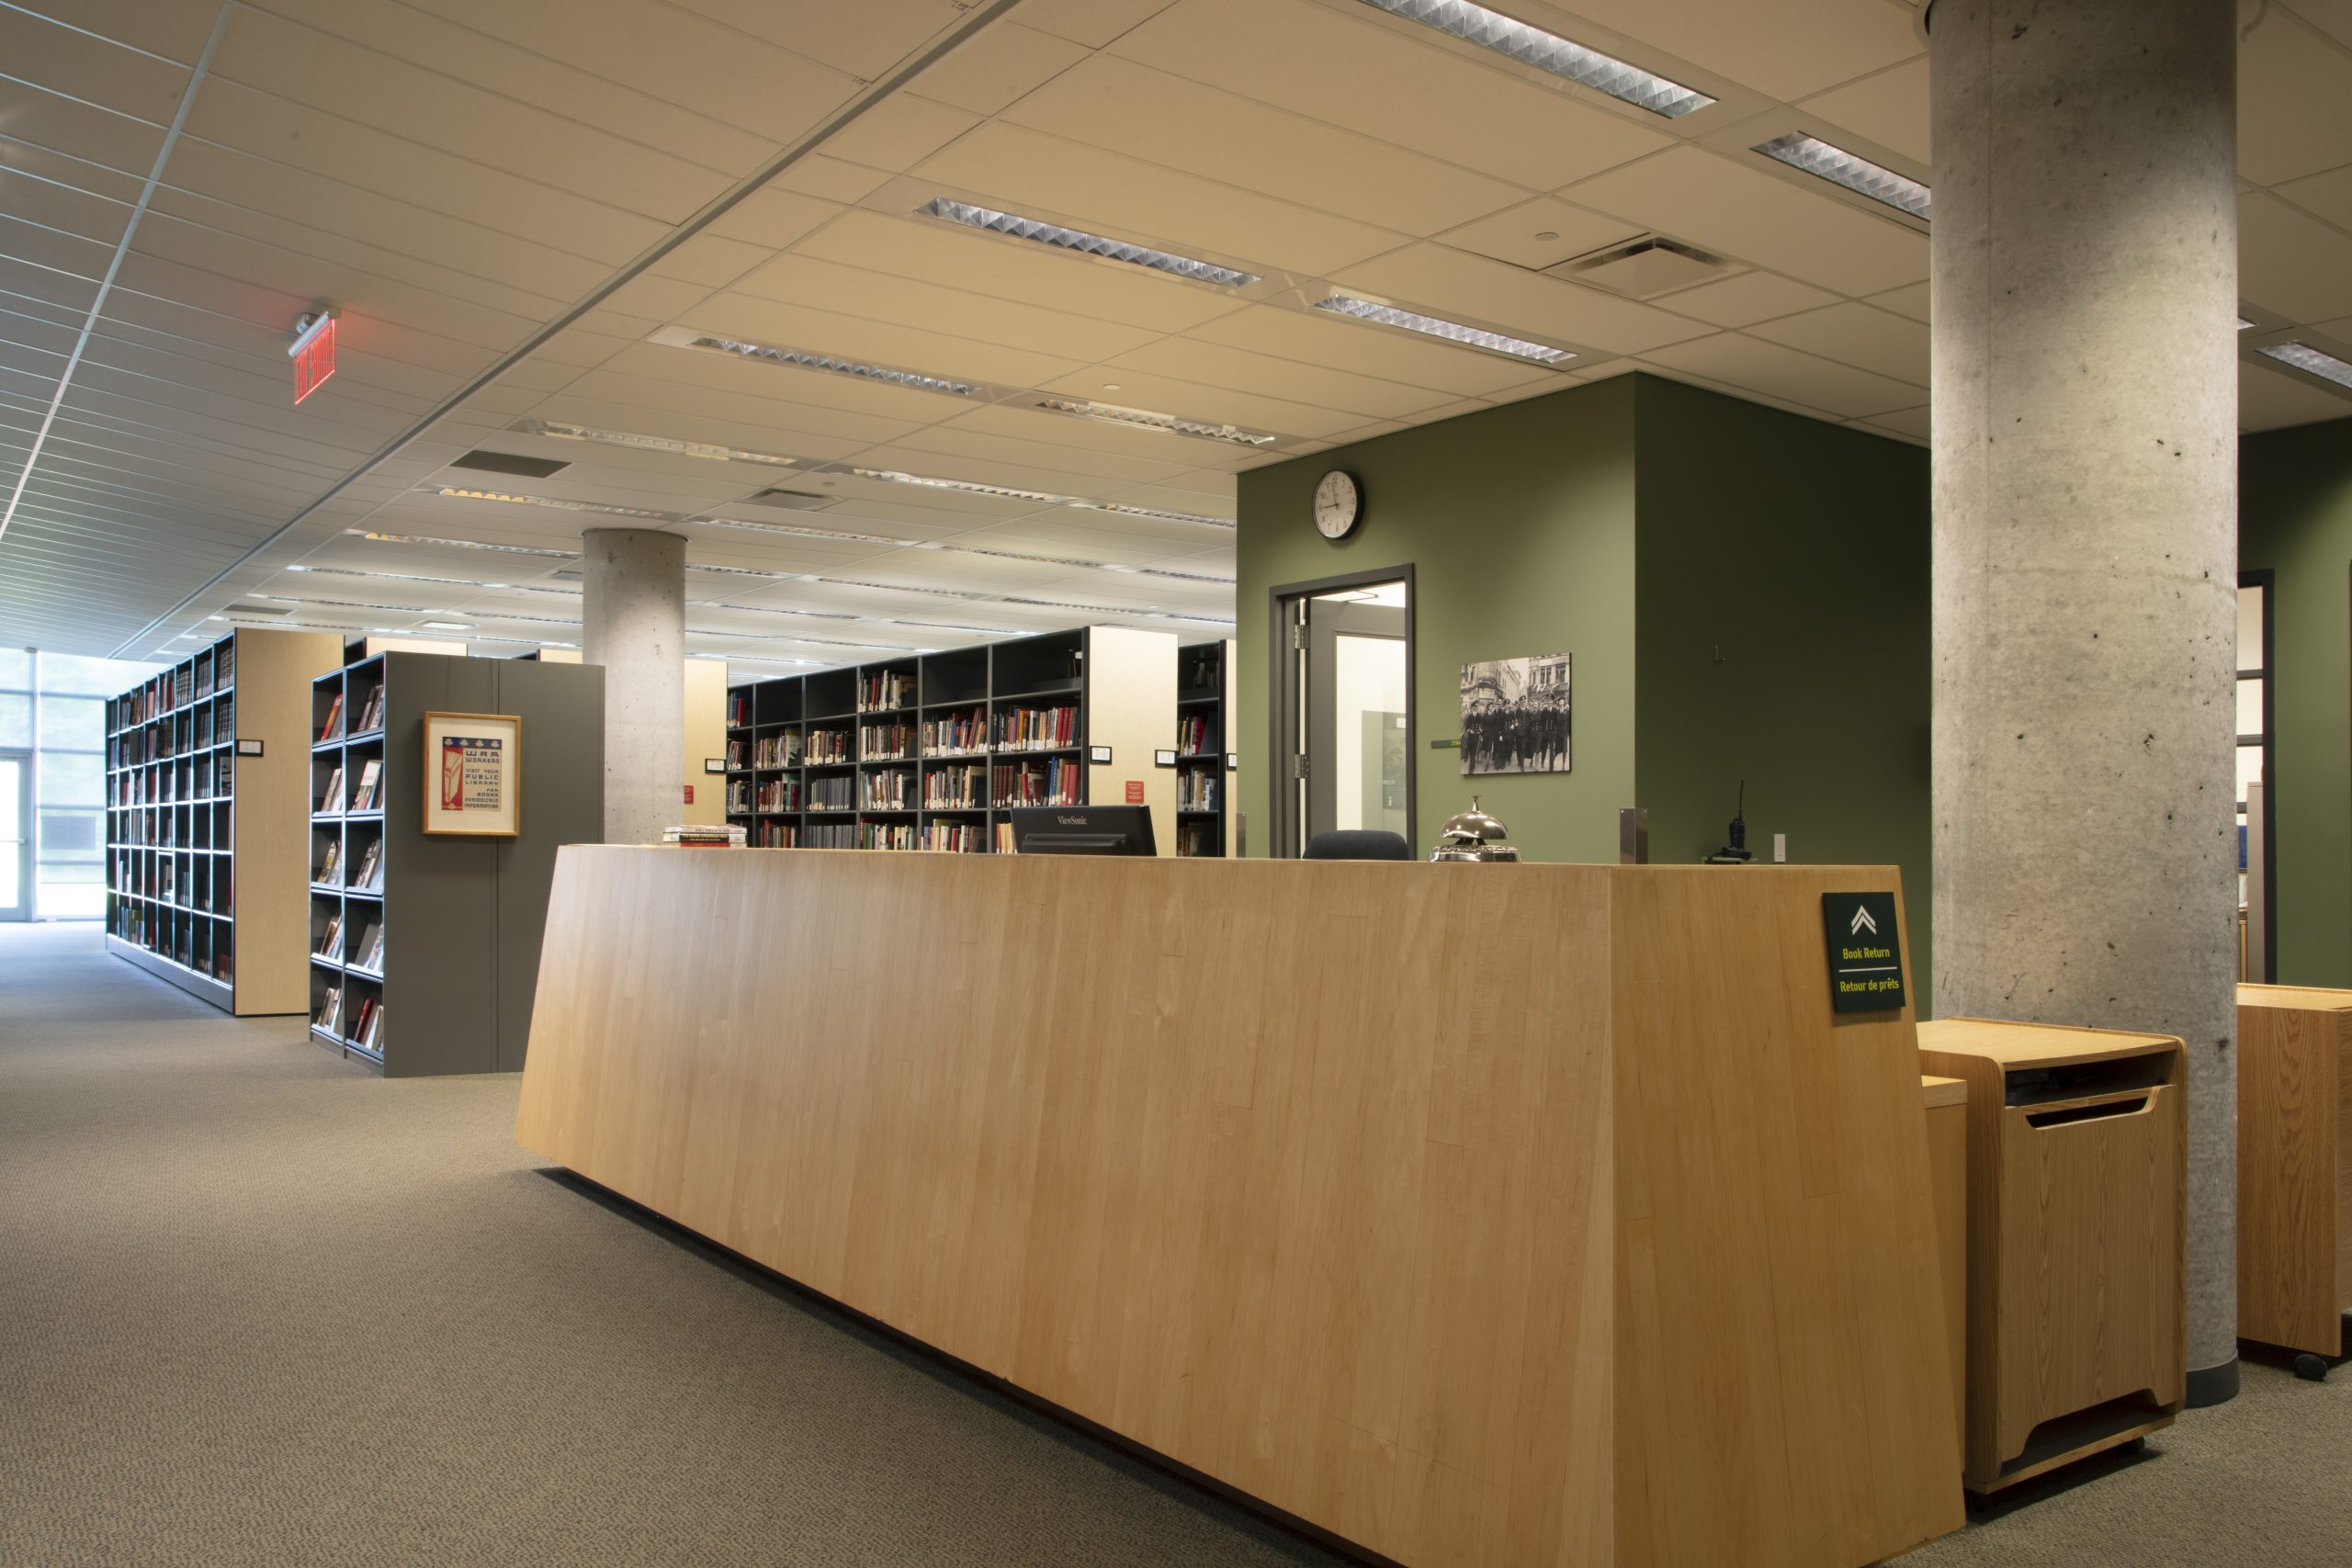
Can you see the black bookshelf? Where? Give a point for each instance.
(932, 751)
(1205, 675)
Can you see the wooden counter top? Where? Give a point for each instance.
(1528, 1214)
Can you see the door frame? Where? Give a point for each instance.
(25, 857)
(1282, 796)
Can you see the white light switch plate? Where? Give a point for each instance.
(1780, 849)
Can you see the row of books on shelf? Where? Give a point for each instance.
(1195, 735)
(838, 793)
(1196, 790)
(965, 731)
(371, 715)
(1203, 672)
(366, 1021)
(1197, 839)
(1033, 730)
(371, 944)
(773, 835)
(363, 794)
(961, 788)
(1061, 782)
(886, 742)
(769, 752)
(893, 790)
(368, 878)
(187, 782)
(827, 746)
(883, 690)
(964, 838)
(739, 710)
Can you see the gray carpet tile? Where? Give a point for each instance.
(259, 1306)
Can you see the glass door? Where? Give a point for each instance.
(15, 835)
(1344, 709)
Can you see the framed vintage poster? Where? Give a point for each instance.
(473, 775)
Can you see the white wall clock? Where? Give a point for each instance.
(1338, 503)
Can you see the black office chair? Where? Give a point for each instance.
(1358, 843)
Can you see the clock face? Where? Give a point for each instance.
(1337, 503)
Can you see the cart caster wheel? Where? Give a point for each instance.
(2310, 1368)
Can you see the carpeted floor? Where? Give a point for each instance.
(260, 1307)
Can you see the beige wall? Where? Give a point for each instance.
(705, 738)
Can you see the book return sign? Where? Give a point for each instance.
(1865, 952)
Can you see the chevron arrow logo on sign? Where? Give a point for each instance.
(1862, 921)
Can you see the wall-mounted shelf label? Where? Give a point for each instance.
(248, 748)
(1454, 745)
(1865, 952)
(1233, 761)
(1163, 758)
(714, 764)
(1098, 754)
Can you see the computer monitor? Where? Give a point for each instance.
(1083, 830)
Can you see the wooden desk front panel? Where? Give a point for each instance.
(1299, 1174)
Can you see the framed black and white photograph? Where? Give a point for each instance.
(1515, 715)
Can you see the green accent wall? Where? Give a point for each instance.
(1783, 591)
(2295, 519)
(1646, 527)
(1519, 524)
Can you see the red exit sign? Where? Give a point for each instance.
(313, 355)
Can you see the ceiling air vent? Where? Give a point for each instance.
(1642, 269)
(491, 462)
(790, 500)
(257, 610)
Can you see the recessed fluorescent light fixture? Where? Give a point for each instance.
(832, 365)
(446, 626)
(2244, 327)
(800, 532)
(1162, 514)
(1144, 419)
(2311, 361)
(1453, 331)
(1857, 174)
(370, 534)
(1039, 231)
(963, 487)
(1549, 52)
(637, 443)
(553, 502)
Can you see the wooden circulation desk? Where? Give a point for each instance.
(1478, 1214)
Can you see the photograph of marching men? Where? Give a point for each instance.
(1515, 715)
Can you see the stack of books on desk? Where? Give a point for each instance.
(700, 835)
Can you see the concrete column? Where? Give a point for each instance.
(2085, 548)
(633, 622)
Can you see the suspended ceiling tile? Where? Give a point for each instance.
(1773, 372)
(213, 184)
(1178, 124)
(1343, 67)
(115, 143)
(1027, 171)
(1102, 471)
(772, 218)
(1240, 370)
(802, 279)
(270, 128)
(54, 338)
(899, 132)
(2290, 263)
(1912, 423)
(175, 31)
(1911, 300)
(939, 252)
(669, 53)
(782, 324)
(1720, 205)
(998, 66)
(52, 249)
(1514, 234)
(1025, 421)
(2329, 196)
(392, 97)
(709, 261)
(830, 179)
(1890, 108)
(1459, 286)
(863, 41)
(1857, 334)
(1090, 22)
(1314, 338)
(2271, 400)
(760, 398)
(2292, 87)
(93, 70)
(1749, 298)
(54, 205)
(1785, 49)
(650, 295)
